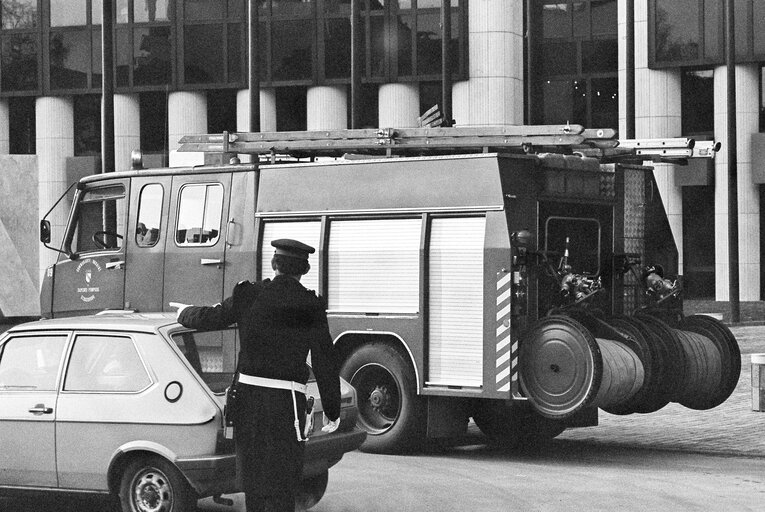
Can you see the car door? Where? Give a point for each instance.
(195, 254)
(30, 367)
(94, 279)
(145, 242)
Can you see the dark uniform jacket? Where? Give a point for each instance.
(279, 321)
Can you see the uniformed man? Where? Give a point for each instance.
(279, 321)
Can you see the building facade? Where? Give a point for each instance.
(181, 67)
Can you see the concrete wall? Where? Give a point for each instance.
(19, 244)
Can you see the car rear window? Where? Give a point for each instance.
(211, 354)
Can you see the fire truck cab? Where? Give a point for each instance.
(521, 280)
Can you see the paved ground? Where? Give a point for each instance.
(731, 428)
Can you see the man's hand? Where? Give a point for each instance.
(330, 425)
(180, 307)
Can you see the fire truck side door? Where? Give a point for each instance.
(195, 248)
(95, 279)
(145, 242)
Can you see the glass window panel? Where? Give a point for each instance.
(604, 17)
(211, 354)
(558, 58)
(148, 224)
(378, 43)
(96, 11)
(292, 50)
(204, 9)
(87, 124)
(713, 29)
(600, 55)
(337, 6)
(203, 53)
(122, 11)
(151, 10)
(100, 221)
(291, 108)
(19, 62)
(556, 20)
(65, 13)
(292, 7)
(423, 4)
(428, 44)
(742, 23)
(235, 71)
(105, 363)
(69, 59)
(605, 102)
(151, 65)
(405, 31)
(697, 101)
(124, 57)
(677, 30)
(199, 215)
(153, 115)
(581, 19)
(377, 5)
(407, 4)
(337, 48)
(758, 14)
(236, 9)
(96, 57)
(19, 13)
(21, 122)
(564, 101)
(31, 362)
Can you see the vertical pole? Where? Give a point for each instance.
(253, 74)
(446, 62)
(730, 61)
(356, 49)
(107, 89)
(529, 64)
(629, 91)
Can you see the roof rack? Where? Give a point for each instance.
(566, 139)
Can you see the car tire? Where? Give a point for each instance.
(311, 491)
(389, 409)
(152, 484)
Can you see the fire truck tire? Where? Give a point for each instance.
(389, 409)
(514, 428)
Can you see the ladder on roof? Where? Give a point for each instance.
(566, 139)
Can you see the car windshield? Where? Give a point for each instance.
(211, 354)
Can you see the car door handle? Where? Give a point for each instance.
(114, 264)
(41, 409)
(207, 261)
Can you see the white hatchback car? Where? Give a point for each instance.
(132, 405)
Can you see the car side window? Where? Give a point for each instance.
(199, 214)
(105, 363)
(212, 355)
(149, 215)
(31, 362)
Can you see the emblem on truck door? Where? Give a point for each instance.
(89, 268)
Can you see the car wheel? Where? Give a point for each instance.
(152, 484)
(311, 491)
(389, 409)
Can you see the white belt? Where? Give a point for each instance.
(272, 383)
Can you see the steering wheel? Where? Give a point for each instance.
(101, 244)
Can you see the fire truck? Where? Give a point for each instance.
(522, 277)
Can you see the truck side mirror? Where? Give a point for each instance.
(45, 231)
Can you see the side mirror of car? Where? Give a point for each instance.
(45, 231)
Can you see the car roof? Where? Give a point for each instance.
(104, 321)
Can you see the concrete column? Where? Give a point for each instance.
(747, 123)
(186, 115)
(267, 110)
(127, 129)
(493, 95)
(327, 107)
(5, 127)
(54, 126)
(657, 112)
(398, 105)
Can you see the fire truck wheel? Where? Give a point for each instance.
(515, 427)
(389, 409)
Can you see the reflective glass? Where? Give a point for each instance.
(556, 20)
(603, 17)
(123, 57)
(87, 124)
(337, 49)
(581, 19)
(741, 23)
(199, 214)
(19, 13)
(564, 101)
(428, 43)
(69, 59)
(337, 6)
(151, 64)
(235, 46)
(19, 62)
(758, 15)
(203, 53)
(204, 9)
(677, 35)
(31, 363)
(96, 57)
(292, 50)
(151, 10)
(379, 42)
(105, 363)
(697, 101)
(405, 30)
(558, 58)
(713, 29)
(292, 7)
(96, 11)
(236, 8)
(122, 11)
(600, 55)
(149, 220)
(605, 103)
(65, 13)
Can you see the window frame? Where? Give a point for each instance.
(205, 184)
(66, 335)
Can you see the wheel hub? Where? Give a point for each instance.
(152, 493)
(379, 397)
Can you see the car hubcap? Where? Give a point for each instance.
(380, 400)
(152, 492)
